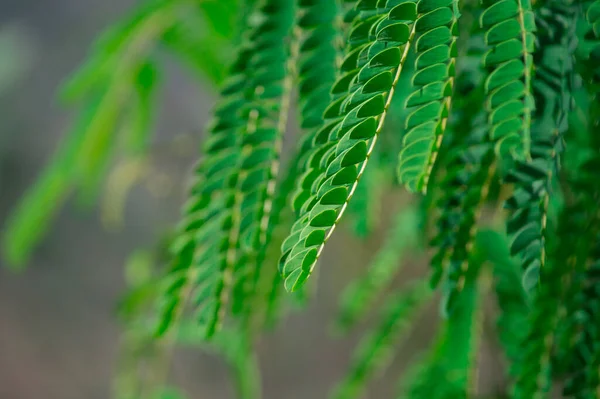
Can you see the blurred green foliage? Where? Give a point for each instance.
(488, 113)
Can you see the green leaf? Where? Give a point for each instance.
(533, 179)
(510, 31)
(228, 212)
(368, 98)
(431, 99)
(451, 361)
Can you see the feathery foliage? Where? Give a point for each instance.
(452, 357)
(509, 33)
(465, 181)
(552, 87)
(482, 115)
(352, 123)
(510, 294)
(228, 214)
(430, 103)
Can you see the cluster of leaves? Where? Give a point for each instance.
(487, 93)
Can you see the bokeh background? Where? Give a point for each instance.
(58, 331)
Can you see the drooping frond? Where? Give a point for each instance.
(533, 368)
(510, 27)
(551, 302)
(592, 12)
(581, 341)
(226, 216)
(470, 117)
(252, 191)
(205, 34)
(552, 87)
(561, 300)
(319, 42)
(251, 188)
(579, 350)
(467, 184)
(203, 257)
(451, 359)
(201, 213)
(430, 103)
(377, 48)
(316, 32)
(315, 50)
(359, 297)
(589, 57)
(282, 219)
(511, 297)
(376, 348)
(467, 173)
(463, 175)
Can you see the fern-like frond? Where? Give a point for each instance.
(552, 87)
(468, 171)
(376, 349)
(578, 354)
(581, 343)
(464, 177)
(316, 32)
(511, 297)
(561, 300)
(510, 27)
(430, 103)
(475, 117)
(466, 187)
(559, 296)
(202, 218)
(318, 42)
(451, 359)
(313, 60)
(533, 369)
(377, 48)
(282, 219)
(228, 213)
(252, 189)
(358, 299)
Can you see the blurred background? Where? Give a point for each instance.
(58, 332)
